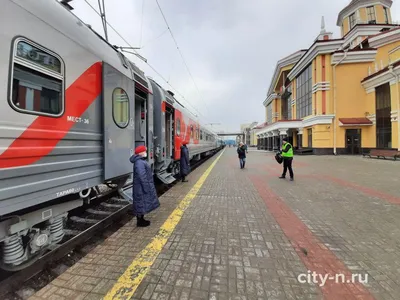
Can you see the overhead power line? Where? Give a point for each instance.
(137, 53)
(180, 52)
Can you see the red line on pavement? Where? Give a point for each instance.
(273, 170)
(319, 258)
(366, 190)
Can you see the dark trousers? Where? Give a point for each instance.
(242, 162)
(287, 164)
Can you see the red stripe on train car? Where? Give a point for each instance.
(42, 136)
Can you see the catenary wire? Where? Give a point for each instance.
(158, 73)
(180, 52)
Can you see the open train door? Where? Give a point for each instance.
(119, 134)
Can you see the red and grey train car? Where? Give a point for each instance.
(72, 110)
(173, 125)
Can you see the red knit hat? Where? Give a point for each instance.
(140, 149)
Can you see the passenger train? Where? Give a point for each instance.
(72, 110)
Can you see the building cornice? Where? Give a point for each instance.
(354, 57)
(361, 30)
(284, 62)
(298, 124)
(281, 125)
(270, 98)
(317, 120)
(356, 4)
(394, 115)
(384, 38)
(382, 78)
(319, 47)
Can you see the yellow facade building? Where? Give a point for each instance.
(340, 96)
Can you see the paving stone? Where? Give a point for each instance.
(234, 242)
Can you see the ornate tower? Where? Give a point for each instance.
(367, 12)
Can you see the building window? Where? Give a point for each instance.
(352, 20)
(383, 118)
(304, 93)
(309, 134)
(286, 103)
(371, 15)
(120, 107)
(386, 14)
(37, 84)
(269, 113)
(289, 102)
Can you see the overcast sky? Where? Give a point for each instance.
(230, 46)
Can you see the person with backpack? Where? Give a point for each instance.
(287, 155)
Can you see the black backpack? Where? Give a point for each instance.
(278, 157)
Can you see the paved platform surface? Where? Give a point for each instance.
(245, 234)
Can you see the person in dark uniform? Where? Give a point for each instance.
(144, 192)
(287, 155)
(184, 161)
(241, 150)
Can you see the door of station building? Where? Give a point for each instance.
(353, 141)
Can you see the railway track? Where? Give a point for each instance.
(82, 225)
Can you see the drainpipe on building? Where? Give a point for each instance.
(398, 105)
(334, 100)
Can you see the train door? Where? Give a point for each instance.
(140, 118)
(118, 99)
(168, 133)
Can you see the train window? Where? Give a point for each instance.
(191, 131)
(120, 107)
(201, 134)
(178, 127)
(37, 84)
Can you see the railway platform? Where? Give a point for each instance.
(228, 233)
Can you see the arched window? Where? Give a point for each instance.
(120, 107)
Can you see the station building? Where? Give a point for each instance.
(341, 95)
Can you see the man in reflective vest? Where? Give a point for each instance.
(287, 155)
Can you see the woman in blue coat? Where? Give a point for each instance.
(184, 162)
(144, 192)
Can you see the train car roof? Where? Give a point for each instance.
(70, 25)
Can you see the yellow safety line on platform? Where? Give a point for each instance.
(134, 274)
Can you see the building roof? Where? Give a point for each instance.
(355, 121)
(325, 46)
(286, 61)
(262, 125)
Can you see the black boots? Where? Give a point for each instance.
(141, 222)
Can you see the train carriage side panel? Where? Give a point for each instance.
(50, 113)
(69, 147)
